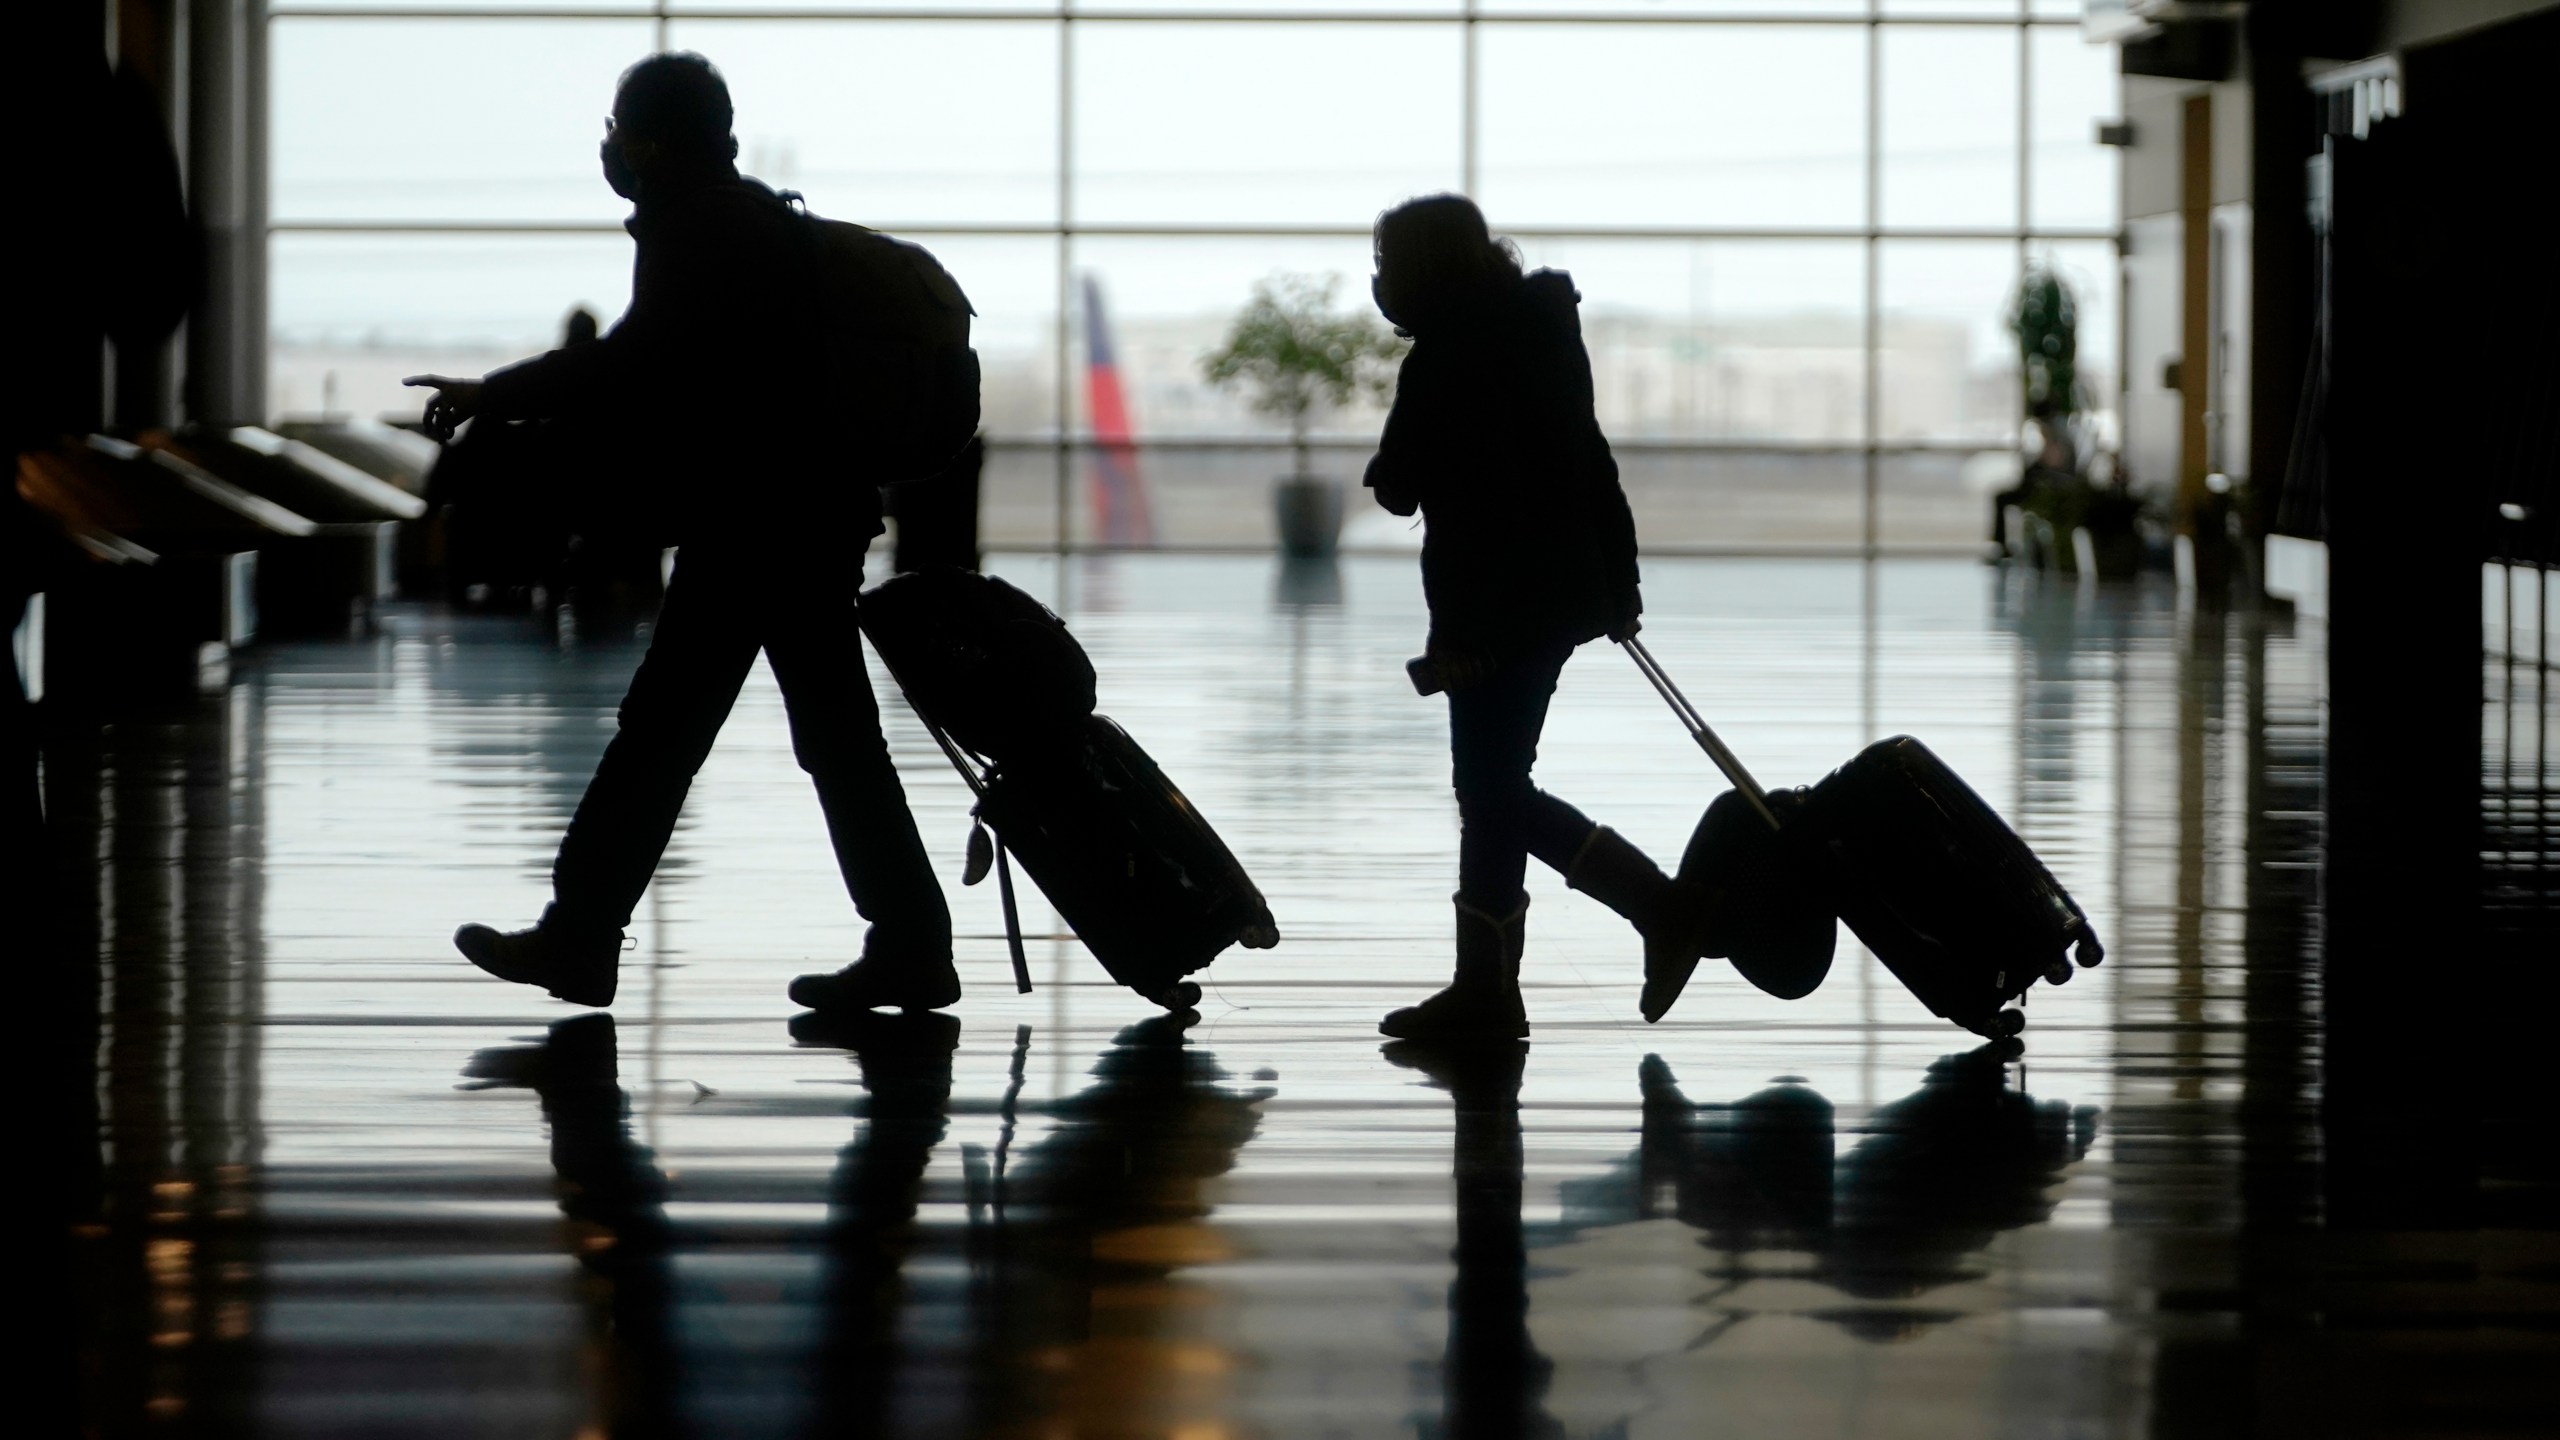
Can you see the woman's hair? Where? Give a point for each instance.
(1437, 251)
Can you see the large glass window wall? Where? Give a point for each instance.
(1796, 224)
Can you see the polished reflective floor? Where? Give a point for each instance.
(347, 1186)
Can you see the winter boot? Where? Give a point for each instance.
(1675, 917)
(1482, 1002)
(576, 963)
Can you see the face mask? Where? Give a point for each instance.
(617, 168)
(1381, 292)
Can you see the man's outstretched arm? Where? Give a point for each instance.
(456, 400)
(679, 289)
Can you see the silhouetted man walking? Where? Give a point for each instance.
(717, 373)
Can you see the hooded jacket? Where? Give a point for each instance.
(1527, 539)
(713, 381)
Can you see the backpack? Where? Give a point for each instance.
(981, 659)
(895, 328)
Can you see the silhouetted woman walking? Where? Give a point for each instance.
(1528, 551)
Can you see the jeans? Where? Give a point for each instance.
(1503, 818)
(727, 601)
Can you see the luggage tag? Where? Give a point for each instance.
(982, 854)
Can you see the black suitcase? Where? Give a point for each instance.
(1921, 868)
(1131, 866)
(1139, 876)
(1940, 888)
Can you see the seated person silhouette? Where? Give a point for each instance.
(1528, 551)
(716, 358)
(503, 497)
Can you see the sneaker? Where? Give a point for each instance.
(581, 968)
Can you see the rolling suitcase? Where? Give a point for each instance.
(1130, 864)
(1922, 870)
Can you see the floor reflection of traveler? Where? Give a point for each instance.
(1936, 1175)
(1063, 1278)
(1063, 1292)
(1493, 1378)
(1932, 1179)
(1082, 1323)
(863, 1362)
(614, 1198)
(710, 362)
(1529, 550)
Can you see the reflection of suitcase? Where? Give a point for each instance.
(1926, 873)
(1142, 879)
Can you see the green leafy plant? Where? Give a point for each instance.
(2046, 319)
(1296, 354)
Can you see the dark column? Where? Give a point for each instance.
(2404, 675)
(226, 350)
(2436, 274)
(2281, 139)
(2199, 510)
(150, 64)
(52, 371)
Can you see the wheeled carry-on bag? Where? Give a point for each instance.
(1131, 866)
(1924, 872)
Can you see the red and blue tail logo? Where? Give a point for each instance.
(1119, 497)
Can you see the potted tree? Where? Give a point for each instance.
(2057, 492)
(1296, 354)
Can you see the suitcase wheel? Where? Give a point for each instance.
(2060, 974)
(1181, 995)
(2008, 1023)
(2088, 952)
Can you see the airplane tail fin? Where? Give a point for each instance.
(1119, 493)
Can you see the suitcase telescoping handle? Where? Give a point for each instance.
(1004, 872)
(1700, 731)
(977, 790)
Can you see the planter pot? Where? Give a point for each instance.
(1307, 511)
(2111, 521)
(2114, 553)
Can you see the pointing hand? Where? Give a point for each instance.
(454, 403)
